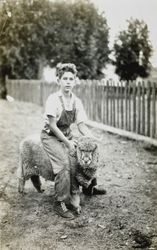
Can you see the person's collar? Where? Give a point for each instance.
(61, 94)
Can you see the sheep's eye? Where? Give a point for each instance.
(81, 150)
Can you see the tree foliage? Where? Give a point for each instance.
(132, 51)
(36, 33)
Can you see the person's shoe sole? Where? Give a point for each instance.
(71, 217)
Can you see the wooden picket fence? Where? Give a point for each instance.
(130, 106)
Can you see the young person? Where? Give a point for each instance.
(61, 110)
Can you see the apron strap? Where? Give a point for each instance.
(74, 105)
(61, 99)
(63, 106)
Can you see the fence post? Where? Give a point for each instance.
(129, 106)
(148, 107)
(126, 104)
(134, 106)
(153, 110)
(118, 93)
(139, 108)
(107, 88)
(122, 108)
(114, 103)
(143, 108)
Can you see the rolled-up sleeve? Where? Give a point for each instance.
(51, 106)
(81, 115)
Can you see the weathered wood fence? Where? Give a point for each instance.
(131, 106)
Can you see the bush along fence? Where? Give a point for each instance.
(130, 106)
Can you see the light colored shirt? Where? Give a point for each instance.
(54, 107)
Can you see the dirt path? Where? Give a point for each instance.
(125, 218)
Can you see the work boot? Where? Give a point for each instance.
(93, 190)
(98, 190)
(61, 209)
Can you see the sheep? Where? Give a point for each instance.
(34, 162)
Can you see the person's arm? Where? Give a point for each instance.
(59, 134)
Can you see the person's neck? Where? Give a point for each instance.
(67, 94)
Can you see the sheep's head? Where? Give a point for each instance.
(87, 152)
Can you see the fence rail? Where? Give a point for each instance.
(130, 106)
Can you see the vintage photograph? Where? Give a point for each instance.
(78, 125)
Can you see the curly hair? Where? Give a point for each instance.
(61, 68)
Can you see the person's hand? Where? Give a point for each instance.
(72, 147)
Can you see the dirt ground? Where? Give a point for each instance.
(124, 218)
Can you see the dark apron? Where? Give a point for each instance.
(66, 119)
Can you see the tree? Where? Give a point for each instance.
(132, 50)
(90, 40)
(35, 33)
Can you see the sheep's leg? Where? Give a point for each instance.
(37, 183)
(75, 202)
(20, 175)
(21, 185)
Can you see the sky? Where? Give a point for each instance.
(118, 11)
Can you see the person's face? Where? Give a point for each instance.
(67, 82)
